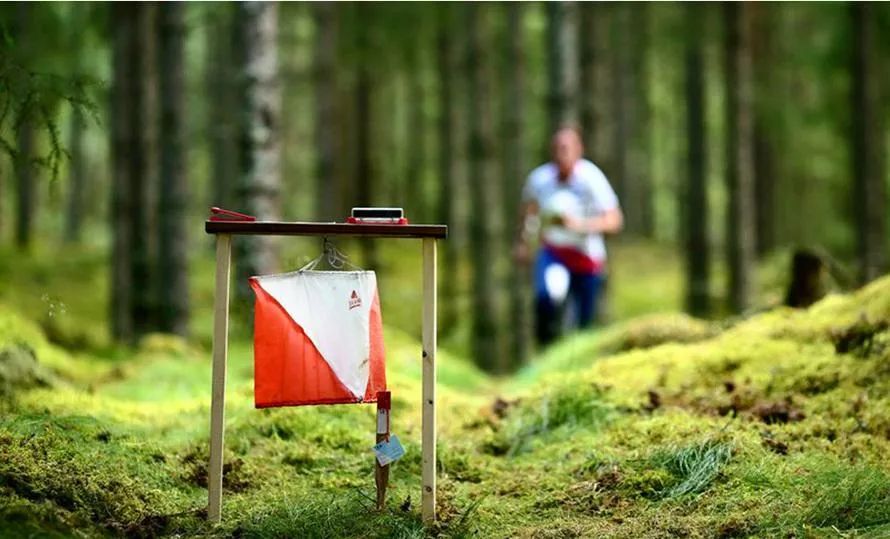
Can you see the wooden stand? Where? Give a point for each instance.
(224, 231)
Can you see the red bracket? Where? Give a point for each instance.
(359, 221)
(219, 214)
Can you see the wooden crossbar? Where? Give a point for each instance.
(276, 228)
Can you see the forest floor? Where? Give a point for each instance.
(774, 425)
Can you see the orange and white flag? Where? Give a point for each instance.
(318, 338)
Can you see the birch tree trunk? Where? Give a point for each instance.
(259, 137)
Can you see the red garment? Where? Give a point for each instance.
(574, 260)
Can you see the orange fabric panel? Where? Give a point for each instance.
(288, 368)
(377, 368)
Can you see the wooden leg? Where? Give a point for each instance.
(218, 395)
(381, 473)
(429, 381)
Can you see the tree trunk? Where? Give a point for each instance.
(868, 145)
(764, 165)
(482, 181)
(562, 64)
(364, 171)
(515, 169)
(77, 178)
(125, 90)
(142, 109)
(641, 114)
(446, 71)
(25, 180)
(259, 136)
(327, 194)
(587, 35)
(741, 229)
(694, 205)
(24, 157)
(173, 290)
(222, 120)
(416, 142)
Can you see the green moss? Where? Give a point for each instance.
(623, 432)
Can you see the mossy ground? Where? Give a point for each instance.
(777, 425)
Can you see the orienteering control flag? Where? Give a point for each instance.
(318, 338)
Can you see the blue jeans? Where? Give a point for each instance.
(584, 289)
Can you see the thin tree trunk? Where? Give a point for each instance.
(563, 65)
(416, 143)
(364, 171)
(259, 137)
(173, 289)
(622, 115)
(484, 332)
(515, 168)
(641, 150)
(77, 178)
(222, 120)
(741, 229)
(141, 108)
(327, 205)
(694, 205)
(446, 71)
(868, 145)
(764, 165)
(24, 159)
(25, 179)
(125, 60)
(587, 36)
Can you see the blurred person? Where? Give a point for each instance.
(570, 205)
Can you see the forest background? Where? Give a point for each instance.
(733, 134)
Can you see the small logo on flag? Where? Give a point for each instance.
(354, 301)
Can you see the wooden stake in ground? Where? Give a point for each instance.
(218, 393)
(381, 473)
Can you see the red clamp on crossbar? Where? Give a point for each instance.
(219, 214)
(376, 221)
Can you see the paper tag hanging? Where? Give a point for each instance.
(389, 450)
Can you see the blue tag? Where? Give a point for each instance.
(389, 451)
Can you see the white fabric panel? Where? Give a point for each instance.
(322, 303)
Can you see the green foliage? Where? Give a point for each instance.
(29, 95)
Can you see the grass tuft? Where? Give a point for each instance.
(693, 467)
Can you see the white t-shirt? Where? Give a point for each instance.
(586, 193)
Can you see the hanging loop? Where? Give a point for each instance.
(335, 258)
